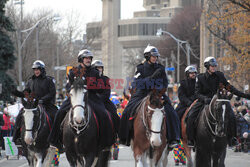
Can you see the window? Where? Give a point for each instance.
(170, 14)
(152, 7)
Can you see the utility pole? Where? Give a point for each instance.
(20, 77)
(37, 42)
(172, 65)
(57, 64)
(178, 62)
(188, 53)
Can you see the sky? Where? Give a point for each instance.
(90, 10)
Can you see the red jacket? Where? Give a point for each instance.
(7, 123)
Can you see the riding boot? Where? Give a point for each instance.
(173, 125)
(232, 126)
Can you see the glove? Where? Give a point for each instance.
(207, 100)
(247, 96)
(40, 102)
(156, 74)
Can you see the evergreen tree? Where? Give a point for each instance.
(7, 58)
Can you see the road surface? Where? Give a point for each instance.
(126, 160)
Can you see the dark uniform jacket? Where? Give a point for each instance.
(44, 89)
(207, 85)
(186, 95)
(92, 76)
(186, 92)
(144, 83)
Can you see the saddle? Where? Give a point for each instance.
(48, 119)
(135, 111)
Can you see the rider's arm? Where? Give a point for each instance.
(182, 95)
(107, 90)
(52, 91)
(198, 87)
(18, 93)
(230, 87)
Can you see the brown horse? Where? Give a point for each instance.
(187, 149)
(150, 130)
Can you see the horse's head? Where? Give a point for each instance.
(31, 116)
(78, 97)
(155, 115)
(221, 107)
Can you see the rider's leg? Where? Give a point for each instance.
(192, 115)
(54, 137)
(232, 129)
(51, 110)
(17, 127)
(113, 113)
(173, 125)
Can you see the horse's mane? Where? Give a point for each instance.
(79, 79)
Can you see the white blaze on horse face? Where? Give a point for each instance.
(156, 124)
(77, 98)
(28, 120)
(223, 112)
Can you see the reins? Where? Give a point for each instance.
(214, 132)
(148, 130)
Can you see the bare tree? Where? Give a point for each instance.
(184, 26)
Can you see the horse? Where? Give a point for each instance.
(81, 128)
(149, 137)
(34, 131)
(211, 133)
(187, 149)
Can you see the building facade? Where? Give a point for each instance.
(116, 42)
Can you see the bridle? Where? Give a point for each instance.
(145, 122)
(38, 108)
(84, 124)
(215, 123)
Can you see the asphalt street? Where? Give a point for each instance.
(125, 159)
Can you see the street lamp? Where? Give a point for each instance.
(179, 42)
(20, 44)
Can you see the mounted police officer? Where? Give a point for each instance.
(150, 70)
(84, 58)
(106, 94)
(45, 91)
(206, 87)
(186, 91)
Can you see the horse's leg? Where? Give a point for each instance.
(138, 160)
(72, 158)
(165, 156)
(39, 158)
(202, 158)
(215, 157)
(103, 158)
(222, 158)
(49, 156)
(187, 151)
(144, 160)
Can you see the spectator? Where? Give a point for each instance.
(5, 129)
(247, 116)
